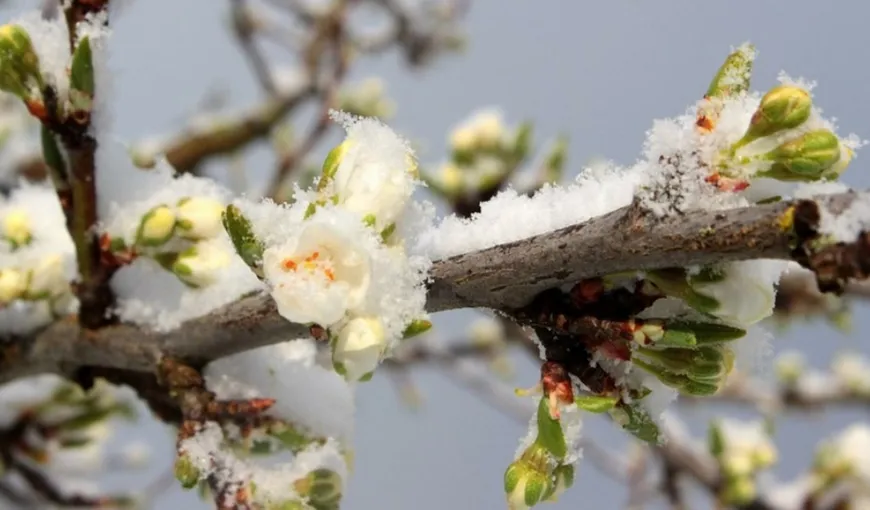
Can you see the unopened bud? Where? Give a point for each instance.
(764, 455)
(805, 158)
(199, 218)
(48, 279)
(525, 485)
(846, 155)
(359, 347)
(13, 284)
(563, 477)
(737, 464)
(332, 162)
(17, 228)
(783, 107)
(733, 77)
(199, 265)
(19, 63)
(185, 472)
(740, 491)
(156, 227)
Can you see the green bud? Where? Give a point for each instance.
(563, 477)
(783, 107)
(185, 472)
(81, 79)
(416, 327)
(596, 403)
(156, 227)
(241, 232)
(19, 63)
(805, 158)
(739, 491)
(525, 486)
(733, 77)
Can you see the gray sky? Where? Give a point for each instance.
(600, 71)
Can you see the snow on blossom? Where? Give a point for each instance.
(747, 292)
(149, 294)
(37, 251)
(375, 174)
(50, 38)
(330, 264)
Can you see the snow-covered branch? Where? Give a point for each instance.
(500, 278)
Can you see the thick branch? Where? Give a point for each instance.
(502, 277)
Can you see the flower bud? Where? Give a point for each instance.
(563, 477)
(17, 228)
(185, 472)
(13, 283)
(846, 155)
(359, 347)
(525, 485)
(199, 265)
(783, 107)
(48, 279)
(199, 218)
(19, 63)
(805, 158)
(463, 140)
(739, 491)
(156, 227)
(737, 464)
(764, 455)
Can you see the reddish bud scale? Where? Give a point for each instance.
(557, 386)
(37, 109)
(587, 291)
(727, 184)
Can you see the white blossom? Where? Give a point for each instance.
(747, 292)
(199, 265)
(317, 276)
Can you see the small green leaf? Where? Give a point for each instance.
(81, 75)
(53, 157)
(733, 76)
(640, 424)
(769, 200)
(550, 434)
(241, 232)
(387, 232)
(290, 438)
(715, 440)
(416, 327)
(596, 403)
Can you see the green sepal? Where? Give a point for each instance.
(596, 403)
(81, 77)
(638, 422)
(241, 232)
(416, 327)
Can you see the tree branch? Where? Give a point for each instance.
(502, 277)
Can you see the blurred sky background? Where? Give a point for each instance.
(600, 71)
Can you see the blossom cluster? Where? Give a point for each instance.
(37, 260)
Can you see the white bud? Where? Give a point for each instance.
(13, 283)
(199, 217)
(359, 347)
(200, 265)
(48, 278)
(16, 227)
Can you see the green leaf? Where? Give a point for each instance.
(241, 232)
(416, 327)
(733, 76)
(290, 438)
(639, 423)
(550, 434)
(387, 232)
(81, 77)
(715, 439)
(53, 157)
(596, 403)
